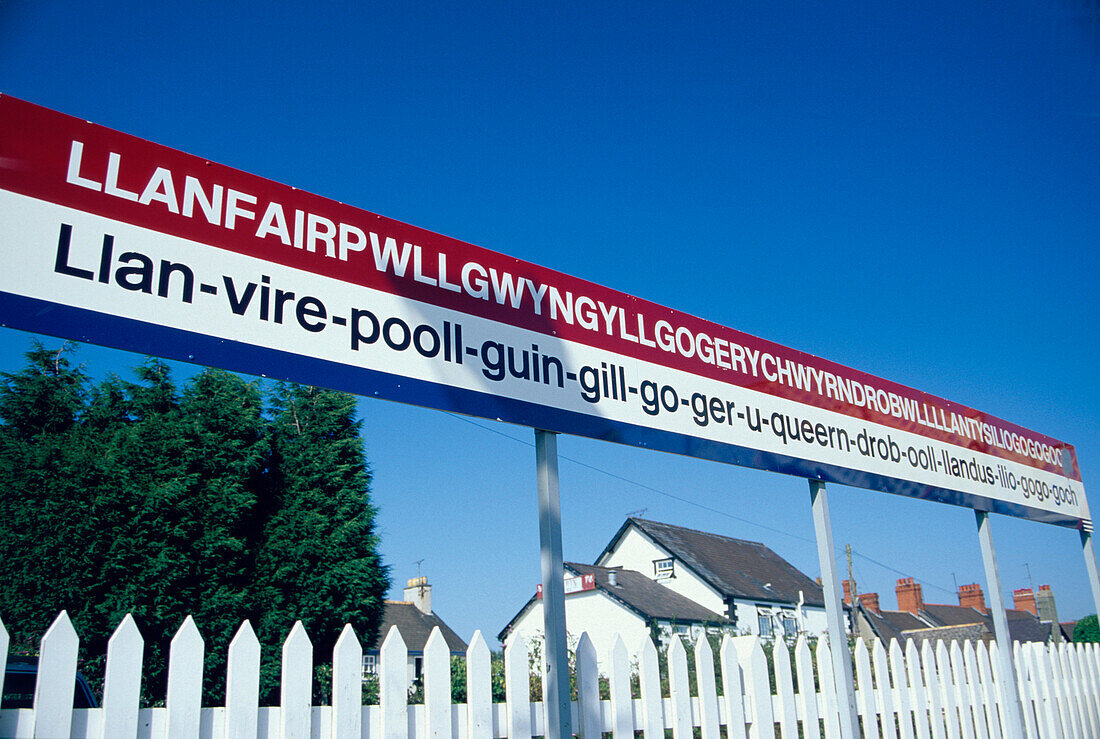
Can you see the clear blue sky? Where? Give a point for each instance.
(912, 190)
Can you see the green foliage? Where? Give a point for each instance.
(1086, 630)
(143, 498)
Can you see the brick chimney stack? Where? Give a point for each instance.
(847, 584)
(910, 595)
(1024, 600)
(869, 601)
(971, 596)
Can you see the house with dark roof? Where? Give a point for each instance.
(748, 584)
(610, 601)
(970, 620)
(415, 621)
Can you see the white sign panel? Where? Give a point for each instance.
(122, 242)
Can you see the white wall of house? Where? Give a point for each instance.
(783, 619)
(636, 551)
(593, 611)
(817, 622)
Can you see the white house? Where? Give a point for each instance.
(745, 582)
(655, 579)
(607, 601)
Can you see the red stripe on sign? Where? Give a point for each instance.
(61, 159)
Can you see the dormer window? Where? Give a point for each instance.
(663, 568)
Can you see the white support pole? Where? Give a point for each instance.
(838, 639)
(558, 714)
(1090, 565)
(1014, 725)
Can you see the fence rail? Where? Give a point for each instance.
(946, 691)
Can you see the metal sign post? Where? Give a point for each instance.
(830, 584)
(1090, 564)
(556, 654)
(1013, 714)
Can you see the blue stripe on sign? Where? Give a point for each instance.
(79, 324)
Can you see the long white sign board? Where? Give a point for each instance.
(114, 240)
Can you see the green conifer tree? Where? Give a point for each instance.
(318, 561)
(135, 497)
(45, 529)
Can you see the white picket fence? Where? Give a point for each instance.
(941, 692)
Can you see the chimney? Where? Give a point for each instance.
(419, 593)
(1024, 600)
(847, 584)
(971, 596)
(910, 595)
(1044, 600)
(613, 578)
(869, 601)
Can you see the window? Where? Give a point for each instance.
(790, 624)
(663, 568)
(680, 629)
(370, 664)
(765, 624)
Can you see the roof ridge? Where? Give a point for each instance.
(697, 531)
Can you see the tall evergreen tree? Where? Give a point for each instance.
(318, 560)
(135, 497)
(45, 526)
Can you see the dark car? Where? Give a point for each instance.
(19, 679)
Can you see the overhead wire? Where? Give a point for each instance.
(696, 504)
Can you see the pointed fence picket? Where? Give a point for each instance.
(479, 689)
(937, 713)
(903, 692)
(517, 690)
(437, 687)
(707, 690)
(1073, 669)
(998, 691)
(830, 704)
(649, 686)
(758, 694)
(1028, 698)
(184, 699)
(917, 690)
(988, 688)
(622, 705)
(588, 689)
(902, 695)
(807, 692)
(732, 689)
(1090, 683)
(679, 690)
(1050, 724)
(347, 686)
(976, 713)
(53, 705)
(865, 694)
(393, 686)
(1064, 678)
(884, 694)
(242, 685)
(785, 712)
